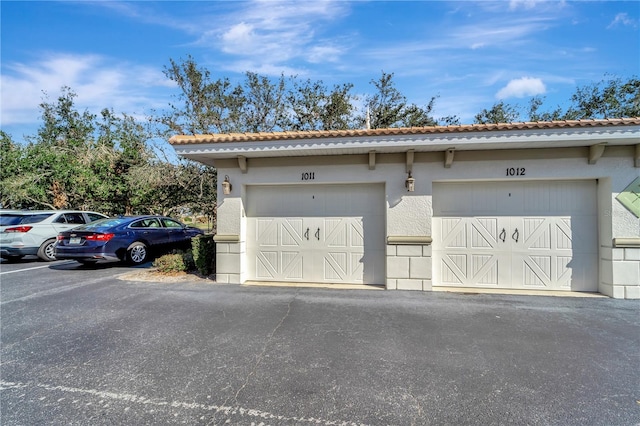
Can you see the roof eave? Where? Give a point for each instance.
(556, 137)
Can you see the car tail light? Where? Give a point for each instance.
(60, 237)
(100, 237)
(19, 229)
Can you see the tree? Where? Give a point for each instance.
(78, 161)
(315, 108)
(609, 98)
(534, 115)
(500, 112)
(11, 157)
(207, 106)
(612, 98)
(386, 105)
(53, 171)
(414, 116)
(264, 104)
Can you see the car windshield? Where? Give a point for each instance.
(103, 223)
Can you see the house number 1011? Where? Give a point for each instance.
(308, 176)
(515, 171)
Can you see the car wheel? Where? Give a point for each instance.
(47, 251)
(137, 253)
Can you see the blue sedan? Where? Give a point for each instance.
(128, 239)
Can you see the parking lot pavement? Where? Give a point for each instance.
(102, 350)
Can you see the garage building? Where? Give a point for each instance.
(520, 206)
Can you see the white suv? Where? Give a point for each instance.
(34, 232)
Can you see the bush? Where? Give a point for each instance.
(204, 254)
(175, 262)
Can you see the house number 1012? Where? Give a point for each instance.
(308, 176)
(515, 171)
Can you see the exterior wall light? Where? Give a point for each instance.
(226, 185)
(410, 183)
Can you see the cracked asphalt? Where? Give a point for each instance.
(81, 347)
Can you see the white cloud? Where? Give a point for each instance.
(277, 33)
(320, 54)
(519, 88)
(97, 82)
(525, 4)
(622, 19)
(238, 38)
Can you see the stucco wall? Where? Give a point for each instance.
(409, 214)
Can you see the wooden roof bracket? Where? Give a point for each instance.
(410, 160)
(242, 163)
(595, 152)
(372, 160)
(448, 158)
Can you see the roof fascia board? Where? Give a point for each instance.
(509, 139)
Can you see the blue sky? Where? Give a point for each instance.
(470, 54)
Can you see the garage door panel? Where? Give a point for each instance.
(469, 270)
(267, 265)
(485, 270)
(454, 269)
(291, 232)
(454, 233)
(267, 232)
(484, 232)
(325, 241)
(545, 235)
(335, 232)
(292, 265)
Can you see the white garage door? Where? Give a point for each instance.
(521, 235)
(316, 233)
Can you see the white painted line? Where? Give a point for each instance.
(137, 399)
(35, 267)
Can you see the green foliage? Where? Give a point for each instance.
(609, 98)
(387, 107)
(80, 161)
(315, 108)
(204, 254)
(500, 112)
(613, 98)
(174, 262)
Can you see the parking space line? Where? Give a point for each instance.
(35, 267)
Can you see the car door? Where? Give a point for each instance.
(175, 231)
(150, 230)
(66, 221)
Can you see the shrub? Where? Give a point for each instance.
(174, 262)
(204, 254)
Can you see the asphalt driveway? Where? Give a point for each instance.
(107, 351)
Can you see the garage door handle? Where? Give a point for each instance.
(503, 235)
(516, 235)
(318, 234)
(306, 234)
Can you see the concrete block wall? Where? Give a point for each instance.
(229, 257)
(409, 267)
(626, 272)
(620, 275)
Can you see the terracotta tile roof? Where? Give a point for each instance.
(464, 128)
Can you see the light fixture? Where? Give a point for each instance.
(226, 185)
(410, 183)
